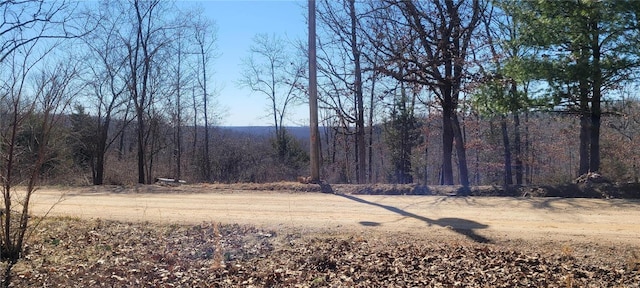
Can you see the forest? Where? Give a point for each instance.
(438, 92)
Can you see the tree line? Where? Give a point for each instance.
(435, 92)
(468, 92)
(505, 64)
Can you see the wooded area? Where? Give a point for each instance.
(464, 92)
(468, 92)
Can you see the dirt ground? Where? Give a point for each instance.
(481, 219)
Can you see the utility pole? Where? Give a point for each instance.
(313, 96)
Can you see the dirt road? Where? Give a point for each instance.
(481, 219)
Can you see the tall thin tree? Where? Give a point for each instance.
(205, 35)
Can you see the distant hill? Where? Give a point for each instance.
(299, 132)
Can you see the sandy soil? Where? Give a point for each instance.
(481, 219)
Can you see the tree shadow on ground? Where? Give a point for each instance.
(461, 226)
(561, 204)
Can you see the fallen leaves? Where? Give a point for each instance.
(98, 253)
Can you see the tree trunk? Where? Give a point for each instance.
(426, 148)
(371, 106)
(141, 150)
(101, 150)
(447, 141)
(517, 148)
(8, 246)
(584, 143)
(98, 178)
(194, 147)
(594, 160)
(141, 97)
(461, 152)
(99, 171)
(515, 110)
(426, 130)
(508, 176)
(585, 129)
(528, 151)
(448, 114)
(476, 175)
(152, 157)
(360, 141)
(177, 151)
(121, 145)
(207, 160)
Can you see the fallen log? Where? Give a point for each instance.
(169, 181)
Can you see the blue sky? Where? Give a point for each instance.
(238, 22)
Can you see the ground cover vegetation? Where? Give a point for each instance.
(437, 92)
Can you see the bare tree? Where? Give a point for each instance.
(175, 101)
(145, 52)
(269, 70)
(32, 98)
(205, 36)
(177, 119)
(184, 79)
(143, 43)
(427, 43)
(41, 19)
(342, 62)
(107, 82)
(33, 113)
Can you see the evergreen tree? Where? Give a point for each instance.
(82, 139)
(402, 134)
(586, 48)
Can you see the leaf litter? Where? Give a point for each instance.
(68, 252)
